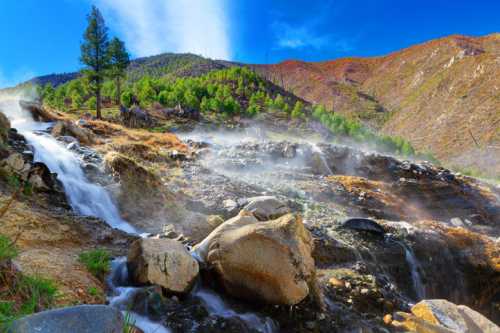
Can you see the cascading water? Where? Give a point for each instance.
(121, 295)
(413, 265)
(84, 197)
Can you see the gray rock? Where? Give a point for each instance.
(77, 319)
(266, 207)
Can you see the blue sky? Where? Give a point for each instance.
(42, 37)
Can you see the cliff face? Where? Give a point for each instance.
(443, 95)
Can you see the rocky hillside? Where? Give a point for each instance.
(442, 95)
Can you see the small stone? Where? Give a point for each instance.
(337, 283)
(364, 291)
(387, 319)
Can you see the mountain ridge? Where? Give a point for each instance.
(451, 81)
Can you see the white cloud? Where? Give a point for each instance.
(152, 26)
(298, 37)
(308, 34)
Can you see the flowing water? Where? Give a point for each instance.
(84, 197)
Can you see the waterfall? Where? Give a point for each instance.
(414, 266)
(84, 197)
(415, 276)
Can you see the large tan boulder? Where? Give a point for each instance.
(267, 261)
(439, 315)
(164, 262)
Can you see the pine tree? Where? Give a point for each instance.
(95, 55)
(119, 61)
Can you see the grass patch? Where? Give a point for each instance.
(20, 294)
(7, 250)
(97, 262)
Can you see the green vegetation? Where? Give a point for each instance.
(231, 91)
(128, 323)
(119, 61)
(7, 249)
(352, 129)
(103, 59)
(23, 294)
(97, 262)
(94, 55)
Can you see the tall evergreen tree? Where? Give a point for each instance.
(94, 54)
(119, 60)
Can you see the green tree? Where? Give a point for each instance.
(76, 100)
(126, 98)
(119, 61)
(298, 111)
(91, 103)
(95, 55)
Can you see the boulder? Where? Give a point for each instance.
(363, 224)
(439, 315)
(266, 261)
(266, 208)
(69, 128)
(77, 319)
(15, 162)
(164, 262)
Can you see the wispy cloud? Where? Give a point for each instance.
(308, 35)
(151, 26)
(296, 37)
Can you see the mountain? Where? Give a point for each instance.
(442, 95)
(178, 65)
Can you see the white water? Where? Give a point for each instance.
(415, 276)
(414, 266)
(85, 198)
(216, 306)
(122, 295)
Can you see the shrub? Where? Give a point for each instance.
(97, 262)
(8, 250)
(91, 103)
(126, 98)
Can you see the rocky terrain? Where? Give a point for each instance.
(441, 95)
(250, 229)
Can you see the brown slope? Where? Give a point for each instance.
(434, 94)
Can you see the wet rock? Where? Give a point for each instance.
(69, 128)
(267, 261)
(77, 319)
(38, 112)
(439, 315)
(4, 128)
(163, 262)
(266, 207)
(42, 179)
(362, 224)
(135, 117)
(15, 162)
